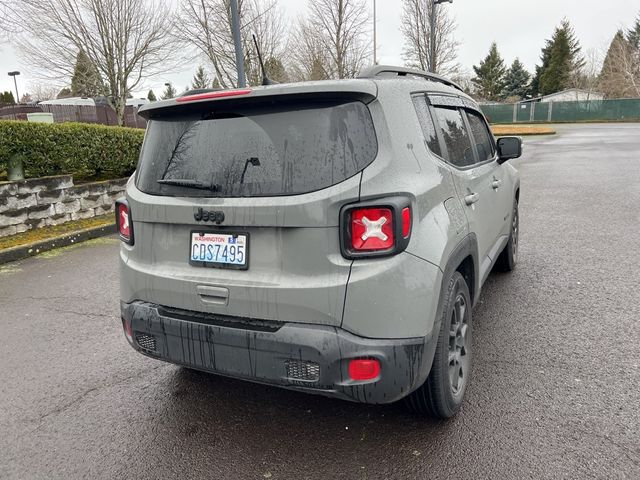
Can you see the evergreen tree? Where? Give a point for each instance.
(517, 81)
(86, 81)
(64, 93)
(216, 84)
(151, 96)
(490, 75)
(545, 59)
(561, 61)
(200, 79)
(633, 34)
(275, 70)
(169, 92)
(7, 98)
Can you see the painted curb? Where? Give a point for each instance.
(524, 134)
(29, 250)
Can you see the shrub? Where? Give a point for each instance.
(80, 149)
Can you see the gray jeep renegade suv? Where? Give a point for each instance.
(329, 237)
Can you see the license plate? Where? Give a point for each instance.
(222, 250)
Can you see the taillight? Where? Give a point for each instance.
(406, 222)
(364, 369)
(124, 225)
(375, 228)
(371, 229)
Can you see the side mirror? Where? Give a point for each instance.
(509, 148)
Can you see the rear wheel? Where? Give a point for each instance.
(509, 256)
(442, 393)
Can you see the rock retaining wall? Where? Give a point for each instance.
(40, 202)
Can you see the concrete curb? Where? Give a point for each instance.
(537, 134)
(28, 250)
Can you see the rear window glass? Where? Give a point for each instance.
(282, 149)
(456, 137)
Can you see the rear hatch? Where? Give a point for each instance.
(235, 205)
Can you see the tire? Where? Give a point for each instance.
(509, 256)
(442, 393)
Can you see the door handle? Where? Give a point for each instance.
(471, 198)
(496, 184)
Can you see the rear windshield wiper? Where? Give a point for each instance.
(189, 183)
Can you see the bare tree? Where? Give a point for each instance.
(41, 92)
(416, 28)
(8, 15)
(338, 32)
(620, 76)
(206, 25)
(308, 59)
(463, 78)
(126, 40)
(587, 77)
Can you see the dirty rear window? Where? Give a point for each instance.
(269, 150)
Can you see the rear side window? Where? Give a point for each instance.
(253, 151)
(426, 122)
(455, 136)
(481, 136)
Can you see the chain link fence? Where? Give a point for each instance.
(625, 110)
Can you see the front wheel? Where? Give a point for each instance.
(442, 393)
(509, 256)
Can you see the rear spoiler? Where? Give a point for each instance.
(363, 90)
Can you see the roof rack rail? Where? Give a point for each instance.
(377, 70)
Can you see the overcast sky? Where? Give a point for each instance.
(519, 26)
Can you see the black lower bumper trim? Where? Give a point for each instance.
(221, 320)
(265, 356)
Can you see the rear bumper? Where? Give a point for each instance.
(309, 358)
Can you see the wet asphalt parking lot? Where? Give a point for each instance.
(555, 390)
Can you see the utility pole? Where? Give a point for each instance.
(432, 27)
(375, 29)
(235, 27)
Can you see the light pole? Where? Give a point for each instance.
(235, 28)
(375, 31)
(15, 82)
(432, 28)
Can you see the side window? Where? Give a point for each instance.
(456, 137)
(426, 122)
(481, 136)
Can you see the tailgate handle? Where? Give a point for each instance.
(215, 295)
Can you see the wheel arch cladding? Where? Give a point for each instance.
(466, 269)
(464, 259)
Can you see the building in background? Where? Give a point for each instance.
(570, 95)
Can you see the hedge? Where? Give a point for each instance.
(81, 149)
